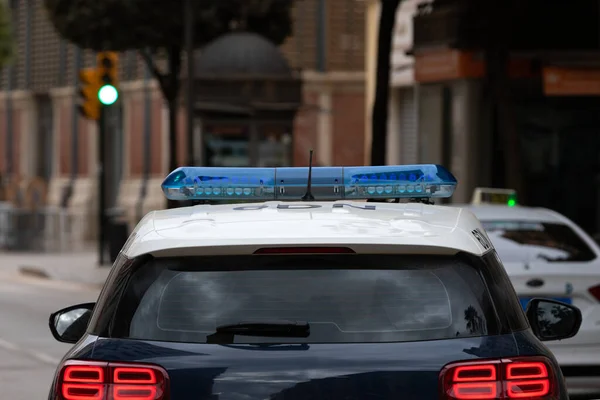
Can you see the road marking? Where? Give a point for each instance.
(8, 346)
(36, 355)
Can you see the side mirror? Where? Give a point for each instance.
(553, 320)
(69, 324)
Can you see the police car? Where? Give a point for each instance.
(296, 288)
(546, 254)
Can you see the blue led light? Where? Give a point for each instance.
(328, 183)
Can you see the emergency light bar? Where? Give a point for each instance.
(507, 197)
(327, 183)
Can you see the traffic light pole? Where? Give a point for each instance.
(98, 92)
(102, 187)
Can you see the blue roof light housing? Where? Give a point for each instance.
(328, 183)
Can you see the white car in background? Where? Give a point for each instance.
(548, 255)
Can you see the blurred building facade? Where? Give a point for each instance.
(553, 88)
(421, 127)
(441, 106)
(402, 143)
(43, 137)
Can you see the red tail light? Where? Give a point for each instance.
(305, 250)
(92, 380)
(595, 291)
(518, 378)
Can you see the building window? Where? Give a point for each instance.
(44, 61)
(233, 145)
(275, 146)
(226, 145)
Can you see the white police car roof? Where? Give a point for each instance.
(401, 228)
(500, 212)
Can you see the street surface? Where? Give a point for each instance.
(28, 352)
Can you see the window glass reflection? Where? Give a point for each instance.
(343, 299)
(231, 146)
(522, 241)
(66, 320)
(226, 146)
(555, 320)
(275, 146)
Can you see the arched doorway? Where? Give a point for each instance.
(246, 97)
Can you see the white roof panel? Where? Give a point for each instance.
(495, 212)
(242, 228)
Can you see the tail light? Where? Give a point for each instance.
(517, 378)
(595, 291)
(91, 380)
(305, 250)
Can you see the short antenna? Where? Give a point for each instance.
(308, 196)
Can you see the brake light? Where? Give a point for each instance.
(305, 250)
(518, 378)
(93, 380)
(595, 291)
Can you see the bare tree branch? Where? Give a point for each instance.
(161, 77)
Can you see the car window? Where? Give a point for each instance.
(503, 292)
(522, 241)
(344, 298)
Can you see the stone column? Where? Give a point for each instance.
(61, 110)
(25, 108)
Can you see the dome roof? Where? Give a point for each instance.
(242, 53)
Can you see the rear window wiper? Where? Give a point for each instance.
(279, 328)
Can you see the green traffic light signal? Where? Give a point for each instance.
(108, 94)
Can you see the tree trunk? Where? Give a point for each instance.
(379, 122)
(497, 61)
(169, 86)
(172, 97)
(497, 58)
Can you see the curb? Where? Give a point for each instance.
(33, 272)
(41, 274)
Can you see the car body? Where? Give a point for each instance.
(312, 299)
(547, 255)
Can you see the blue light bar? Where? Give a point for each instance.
(328, 183)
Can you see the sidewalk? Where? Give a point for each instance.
(80, 267)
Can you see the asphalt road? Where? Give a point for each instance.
(28, 352)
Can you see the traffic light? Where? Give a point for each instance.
(107, 64)
(88, 92)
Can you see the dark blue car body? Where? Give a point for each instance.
(317, 371)
(306, 371)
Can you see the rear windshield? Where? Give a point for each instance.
(520, 241)
(344, 298)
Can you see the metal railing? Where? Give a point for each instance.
(40, 230)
